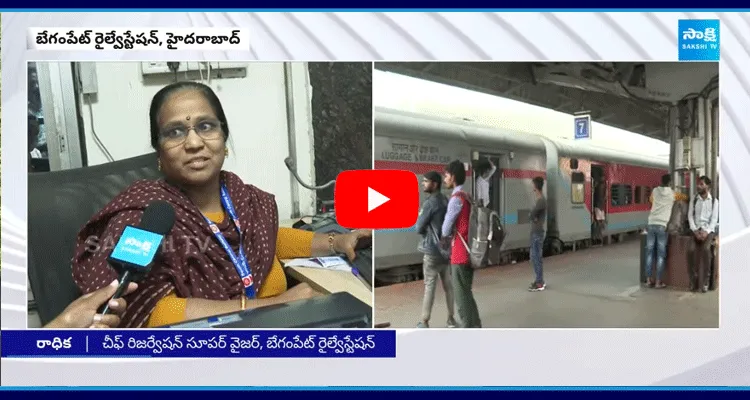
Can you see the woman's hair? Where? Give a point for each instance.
(164, 94)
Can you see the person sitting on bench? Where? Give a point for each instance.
(703, 216)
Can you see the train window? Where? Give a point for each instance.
(578, 188)
(574, 163)
(621, 195)
(647, 197)
(639, 195)
(628, 194)
(615, 195)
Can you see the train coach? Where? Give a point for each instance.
(421, 143)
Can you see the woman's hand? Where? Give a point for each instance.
(300, 292)
(347, 243)
(82, 313)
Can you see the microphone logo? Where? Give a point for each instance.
(144, 246)
(137, 246)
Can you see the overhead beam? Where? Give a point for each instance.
(635, 127)
(507, 80)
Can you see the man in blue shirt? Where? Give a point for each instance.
(435, 264)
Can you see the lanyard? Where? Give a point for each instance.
(240, 262)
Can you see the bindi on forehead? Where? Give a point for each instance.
(185, 106)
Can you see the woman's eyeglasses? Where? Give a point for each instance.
(176, 135)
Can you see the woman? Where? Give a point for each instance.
(198, 273)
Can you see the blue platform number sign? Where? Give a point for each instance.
(583, 127)
(137, 246)
(698, 40)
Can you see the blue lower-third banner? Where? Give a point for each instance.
(208, 343)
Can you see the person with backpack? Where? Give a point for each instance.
(435, 262)
(538, 217)
(456, 230)
(703, 217)
(662, 200)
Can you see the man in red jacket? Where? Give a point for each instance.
(456, 229)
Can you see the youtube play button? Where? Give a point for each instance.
(376, 199)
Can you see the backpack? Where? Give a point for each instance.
(481, 232)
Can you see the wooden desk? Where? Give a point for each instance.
(326, 281)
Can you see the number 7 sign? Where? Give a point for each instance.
(583, 127)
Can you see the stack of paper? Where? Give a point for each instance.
(332, 263)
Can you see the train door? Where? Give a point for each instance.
(496, 195)
(599, 202)
(496, 192)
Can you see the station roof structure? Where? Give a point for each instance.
(632, 96)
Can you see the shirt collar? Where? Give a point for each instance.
(708, 197)
(458, 188)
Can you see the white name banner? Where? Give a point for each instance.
(119, 39)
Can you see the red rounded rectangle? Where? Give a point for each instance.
(376, 199)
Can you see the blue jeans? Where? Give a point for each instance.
(535, 252)
(656, 237)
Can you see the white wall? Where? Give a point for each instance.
(256, 111)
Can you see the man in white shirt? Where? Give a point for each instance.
(703, 217)
(661, 209)
(485, 170)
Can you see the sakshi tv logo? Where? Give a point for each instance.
(698, 39)
(138, 245)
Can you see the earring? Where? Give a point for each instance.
(158, 164)
(226, 152)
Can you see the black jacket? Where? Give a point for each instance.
(430, 223)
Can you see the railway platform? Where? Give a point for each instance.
(592, 288)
